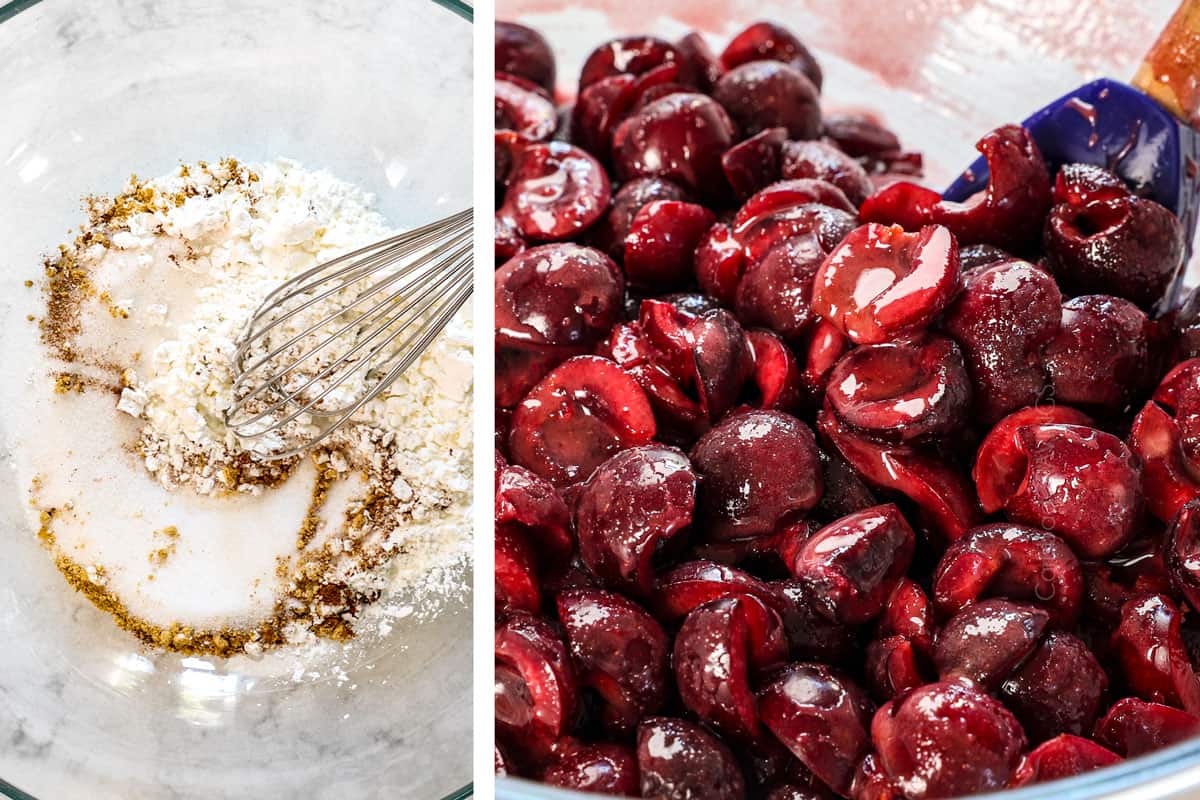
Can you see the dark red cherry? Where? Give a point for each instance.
(604, 768)
(945, 498)
(530, 504)
(1166, 437)
(754, 163)
(611, 231)
(776, 374)
(822, 717)
(719, 262)
(1152, 654)
(1005, 316)
(1008, 213)
(701, 67)
(881, 282)
(1062, 757)
(1058, 689)
(810, 633)
(584, 411)
(680, 761)
(1080, 482)
(801, 207)
(694, 583)
(535, 685)
(756, 470)
(903, 389)
(987, 640)
(517, 586)
(680, 137)
(555, 191)
(525, 52)
(1182, 553)
(825, 162)
(893, 666)
(631, 55)
(854, 563)
(618, 650)
(775, 292)
(1127, 246)
(720, 647)
(1133, 727)
(524, 110)
(909, 614)
(629, 508)
(594, 115)
(1012, 562)
(1100, 357)
(770, 94)
(661, 241)
(998, 462)
(557, 296)
(766, 40)
(518, 370)
(946, 740)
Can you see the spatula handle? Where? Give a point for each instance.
(1170, 72)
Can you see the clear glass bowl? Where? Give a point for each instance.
(378, 92)
(941, 73)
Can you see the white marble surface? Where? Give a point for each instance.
(378, 91)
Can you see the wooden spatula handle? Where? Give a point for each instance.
(1170, 72)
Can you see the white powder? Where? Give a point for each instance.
(172, 286)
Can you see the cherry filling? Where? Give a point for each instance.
(782, 435)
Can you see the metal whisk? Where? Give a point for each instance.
(379, 308)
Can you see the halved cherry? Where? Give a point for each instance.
(720, 647)
(881, 282)
(719, 263)
(756, 470)
(609, 234)
(1182, 553)
(1133, 727)
(825, 162)
(1058, 689)
(517, 587)
(825, 348)
(998, 463)
(986, 640)
(908, 613)
(776, 374)
(946, 499)
(854, 563)
(521, 50)
(822, 717)
(584, 411)
(1100, 357)
(535, 685)
(1151, 651)
(845, 492)
(518, 370)
(629, 508)
(766, 40)
(1080, 482)
(1127, 246)
(1080, 184)
(593, 119)
(754, 163)
(775, 291)
(524, 110)
(893, 666)
(661, 242)
(1006, 314)
(618, 650)
(631, 55)
(810, 633)
(603, 768)
(946, 740)
(555, 191)
(859, 133)
(558, 296)
(1137, 570)
(1011, 562)
(530, 503)
(680, 137)
(694, 583)
(770, 94)
(791, 208)
(680, 761)
(1167, 478)
(871, 782)
(1008, 213)
(507, 239)
(1062, 757)
(903, 389)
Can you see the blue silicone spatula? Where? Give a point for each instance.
(1143, 132)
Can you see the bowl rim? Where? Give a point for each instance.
(462, 8)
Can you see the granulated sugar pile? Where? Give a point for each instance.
(155, 509)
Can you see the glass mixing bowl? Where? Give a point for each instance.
(941, 73)
(378, 92)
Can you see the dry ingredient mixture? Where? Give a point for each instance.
(142, 313)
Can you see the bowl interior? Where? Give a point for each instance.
(376, 91)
